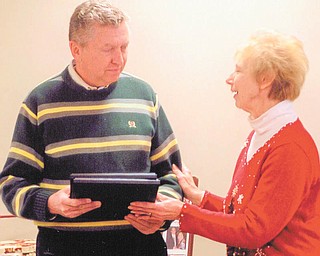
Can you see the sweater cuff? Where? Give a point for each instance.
(183, 214)
(188, 206)
(41, 205)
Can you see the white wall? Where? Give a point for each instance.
(184, 48)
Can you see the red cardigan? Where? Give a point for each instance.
(276, 200)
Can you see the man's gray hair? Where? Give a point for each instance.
(93, 12)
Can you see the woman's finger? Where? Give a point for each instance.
(188, 175)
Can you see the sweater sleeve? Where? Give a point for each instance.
(284, 182)
(164, 153)
(22, 173)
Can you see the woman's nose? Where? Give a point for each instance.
(230, 79)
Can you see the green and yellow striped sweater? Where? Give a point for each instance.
(64, 128)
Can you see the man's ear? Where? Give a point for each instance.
(266, 79)
(75, 49)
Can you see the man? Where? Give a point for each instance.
(90, 118)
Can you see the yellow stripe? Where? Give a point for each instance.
(18, 196)
(24, 106)
(82, 224)
(171, 192)
(99, 145)
(52, 186)
(170, 175)
(164, 151)
(27, 155)
(157, 103)
(5, 181)
(99, 107)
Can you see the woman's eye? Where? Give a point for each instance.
(124, 48)
(107, 50)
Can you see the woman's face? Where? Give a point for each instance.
(245, 87)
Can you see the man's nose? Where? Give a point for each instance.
(117, 57)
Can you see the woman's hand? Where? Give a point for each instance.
(165, 208)
(190, 190)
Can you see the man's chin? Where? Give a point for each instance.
(112, 77)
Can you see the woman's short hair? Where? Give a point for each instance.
(89, 13)
(270, 52)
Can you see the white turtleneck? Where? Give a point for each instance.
(269, 123)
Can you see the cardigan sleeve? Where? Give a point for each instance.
(212, 202)
(285, 180)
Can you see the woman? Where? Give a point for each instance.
(273, 205)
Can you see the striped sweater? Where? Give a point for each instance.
(62, 128)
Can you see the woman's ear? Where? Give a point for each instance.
(266, 79)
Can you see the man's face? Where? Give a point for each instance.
(101, 60)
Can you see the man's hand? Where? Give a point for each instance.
(61, 203)
(147, 225)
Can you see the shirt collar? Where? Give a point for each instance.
(75, 76)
